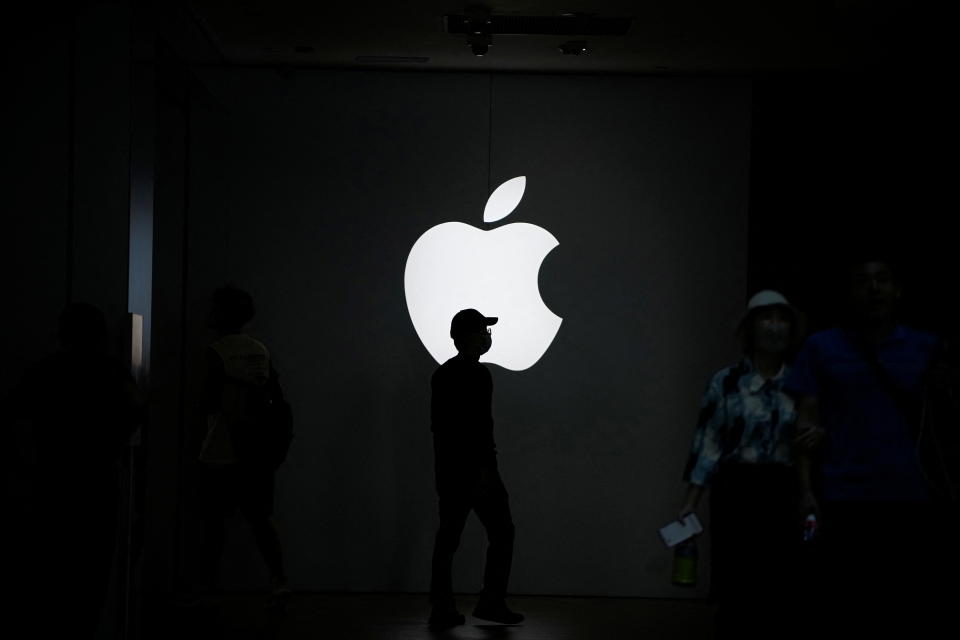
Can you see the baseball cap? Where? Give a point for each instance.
(469, 321)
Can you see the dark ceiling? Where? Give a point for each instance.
(676, 36)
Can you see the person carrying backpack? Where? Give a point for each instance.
(249, 428)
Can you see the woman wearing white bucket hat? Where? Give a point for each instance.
(742, 452)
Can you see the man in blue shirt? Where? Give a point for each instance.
(859, 390)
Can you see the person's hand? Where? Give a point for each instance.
(690, 501)
(809, 438)
(809, 504)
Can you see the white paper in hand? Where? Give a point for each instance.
(676, 532)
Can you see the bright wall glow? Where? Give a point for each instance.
(136, 346)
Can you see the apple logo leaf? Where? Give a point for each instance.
(504, 199)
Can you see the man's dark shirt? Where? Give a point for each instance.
(80, 411)
(871, 451)
(462, 419)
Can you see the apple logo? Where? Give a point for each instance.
(455, 266)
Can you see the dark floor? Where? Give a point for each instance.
(403, 617)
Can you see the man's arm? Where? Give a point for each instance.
(209, 400)
(213, 382)
(706, 446)
(691, 500)
(438, 403)
(809, 437)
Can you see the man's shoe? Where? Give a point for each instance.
(497, 612)
(445, 617)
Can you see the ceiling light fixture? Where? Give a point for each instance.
(476, 21)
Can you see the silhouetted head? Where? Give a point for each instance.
(83, 327)
(232, 309)
(770, 326)
(471, 333)
(873, 289)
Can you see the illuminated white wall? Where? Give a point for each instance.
(311, 189)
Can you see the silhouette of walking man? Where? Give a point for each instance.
(245, 441)
(82, 405)
(466, 474)
(860, 414)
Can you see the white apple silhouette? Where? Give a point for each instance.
(455, 266)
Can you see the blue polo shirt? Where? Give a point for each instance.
(870, 450)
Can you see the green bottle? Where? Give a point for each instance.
(685, 563)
